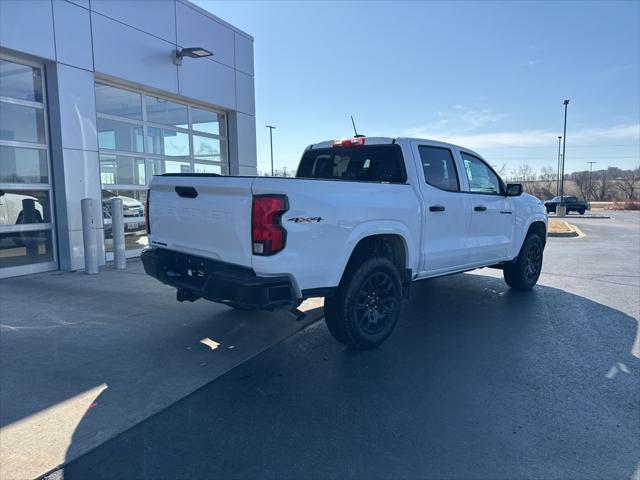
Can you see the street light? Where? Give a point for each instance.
(564, 146)
(558, 171)
(589, 189)
(271, 127)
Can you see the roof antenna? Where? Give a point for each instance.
(354, 129)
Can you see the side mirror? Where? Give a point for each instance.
(514, 189)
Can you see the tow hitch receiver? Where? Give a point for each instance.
(183, 295)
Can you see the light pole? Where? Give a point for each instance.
(558, 174)
(271, 127)
(564, 146)
(589, 189)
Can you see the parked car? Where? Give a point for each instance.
(132, 209)
(364, 218)
(573, 204)
(18, 209)
(14, 209)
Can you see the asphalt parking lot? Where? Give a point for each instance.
(477, 382)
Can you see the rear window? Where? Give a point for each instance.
(368, 163)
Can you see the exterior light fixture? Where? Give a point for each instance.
(193, 52)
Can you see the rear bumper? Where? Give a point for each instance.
(217, 281)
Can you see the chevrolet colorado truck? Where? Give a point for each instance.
(362, 220)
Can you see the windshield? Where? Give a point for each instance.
(369, 163)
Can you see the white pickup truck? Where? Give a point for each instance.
(363, 218)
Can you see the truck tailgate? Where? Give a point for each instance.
(208, 216)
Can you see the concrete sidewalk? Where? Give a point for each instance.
(83, 358)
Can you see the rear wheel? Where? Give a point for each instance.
(524, 271)
(366, 307)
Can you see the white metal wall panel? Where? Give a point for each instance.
(27, 27)
(73, 34)
(123, 52)
(156, 17)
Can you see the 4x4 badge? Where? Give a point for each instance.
(305, 219)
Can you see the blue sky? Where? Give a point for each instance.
(488, 75)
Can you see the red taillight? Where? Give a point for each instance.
(349, 142)
(147, 220)
(267, 235)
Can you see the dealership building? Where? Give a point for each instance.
(96, 96)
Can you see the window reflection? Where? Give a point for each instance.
(169, 166)
(119, 102)
(20, 82)
(20, 207)
(135, 227)
(23, 165)
(167, 142)
(114, 135)
(21, 124)
(206, 121)
(24, 248)
(166, 112)
(121, 170)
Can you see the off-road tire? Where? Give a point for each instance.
(524, 271)
(365, 309)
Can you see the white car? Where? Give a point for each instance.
(364, 218)
(17, 209)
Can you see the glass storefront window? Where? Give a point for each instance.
(206, 148)
(168, 143)
(207, 122)
(207, 168)
(135, 229)
(23, 165)
(121, 170)
(118, 102)
(20, 207)
(121, 136)
(20, 123)
(166, 112)
(170, 166)
(20, 82)
(27, 242)
(24, 248)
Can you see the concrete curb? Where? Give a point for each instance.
(574, 232)
(586, 216)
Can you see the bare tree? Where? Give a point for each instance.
(548, 180)
(600, 186)
(527, 176)
(581, 180)
(629, 183)
(500, 170)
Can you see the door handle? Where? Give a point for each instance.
(480, 208)
(436, 208)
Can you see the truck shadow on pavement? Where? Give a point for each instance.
(478, 381)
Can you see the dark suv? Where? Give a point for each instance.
(572, 204)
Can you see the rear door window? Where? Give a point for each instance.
(439, 168)
(367, 163)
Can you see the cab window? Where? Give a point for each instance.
(439, 168)
(481, 178)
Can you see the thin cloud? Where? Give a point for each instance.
(465, 119)
(529, 63)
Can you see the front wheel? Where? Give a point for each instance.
(524, 271)
(366, 307)
(581, 211)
